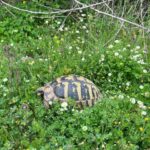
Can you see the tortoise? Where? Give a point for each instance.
(78, 88)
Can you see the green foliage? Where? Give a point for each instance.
(34, 51)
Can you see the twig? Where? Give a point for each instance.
(54, 12)
(9, 11)
(122, 23)
(116, 17)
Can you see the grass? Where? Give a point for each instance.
(34, 51)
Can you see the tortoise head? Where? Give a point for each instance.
(47, 93)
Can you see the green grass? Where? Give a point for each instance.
(34, 51)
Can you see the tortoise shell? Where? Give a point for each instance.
(82, 90)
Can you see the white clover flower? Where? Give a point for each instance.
(27, 81)
(4, 94)
(66, 29)
(31, 62)
(61, 109)
(77, 31)
(137, 47)
(82, 41)
(83, 15)
(77, 48)
(70, 47)
(64, 104)
(133, 100)
(144, 71)
(84, 27)
(128, 84)
(84, 128)
(79, 52)
(124, 49)
(83, 59)
(12, 44)
(141, 87)
(140, 103)
(144, 113)
(116, 54)
(117, 41)
(50, 102)
(141, 62)
(109, 74)
(58, 22)
(87, 31)
(121, 96)
(46, 22)
(128, 45)
(110, 46)
(40, 38)
(146, 94)
(5, 80)
(142, 107)
(15, 31)
(81, 19)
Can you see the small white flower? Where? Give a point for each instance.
(128, 45)
(46, 22)
(144, 113)
(84, 128)
(82, 41)
(58, 22)
(83, 15)
(12, 44)
(133, 100)
(142, 107)
(64, 104)
(72, 110)
(5, 80)
(146, 94)
(61, 109)
(137, 47)
(83, 59)
(121, 96)
(77, 31)
(144, 71)
(50, 102)
(77, 48)
(110, 46)
(124, 49)
(141, 62)
(40, 38)
(128, 84)
(84, 27)
(4, 94)
(109, 74)
(81, 19)
(116, 54)
(27, 81)
(117, 41)
(66, 29)
(87, 31)
(70, 47)
(141, 87)
(140, 103)
(79, 52)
